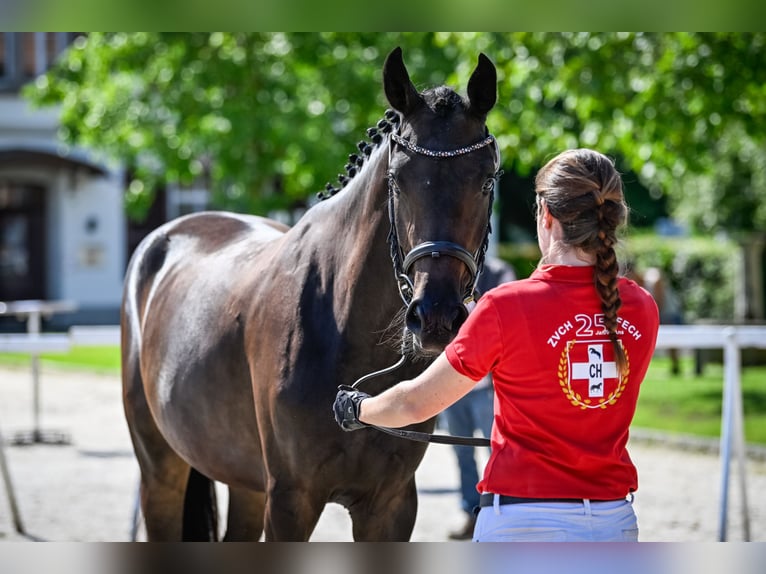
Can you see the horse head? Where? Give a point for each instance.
(443, 167)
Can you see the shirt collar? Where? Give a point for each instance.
(564, 273)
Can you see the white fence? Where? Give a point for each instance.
(33, 343)
(732, 339)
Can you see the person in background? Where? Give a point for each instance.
(670, 307)
(566, 369)
(474, 412)
(656, 283)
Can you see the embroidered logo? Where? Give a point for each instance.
(588, 374)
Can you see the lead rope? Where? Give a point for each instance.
(415, 435)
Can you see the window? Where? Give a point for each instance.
(22, 241)
(26, 55)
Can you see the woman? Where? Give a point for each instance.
(566, 369)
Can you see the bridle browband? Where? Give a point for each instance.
(441, 153)
(403, 263)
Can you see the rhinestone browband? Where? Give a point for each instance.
(446, 153)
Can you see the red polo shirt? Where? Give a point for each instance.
(561, 413)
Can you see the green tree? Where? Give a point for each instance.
(686, 112)
(268, 118)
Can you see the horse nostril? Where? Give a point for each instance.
(414, 318)
(418, 321)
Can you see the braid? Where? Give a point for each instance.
(583, 191)
(605, 273)
(356, 160)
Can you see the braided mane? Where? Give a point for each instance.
(441, 100)
(356, 160)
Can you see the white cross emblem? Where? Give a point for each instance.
(595, 370)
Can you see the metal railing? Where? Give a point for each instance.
(34, 343)
(732, 339)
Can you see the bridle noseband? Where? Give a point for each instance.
(473, 261)
(435, 249)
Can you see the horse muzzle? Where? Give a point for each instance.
(433, 324)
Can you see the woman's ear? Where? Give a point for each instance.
(545, 215)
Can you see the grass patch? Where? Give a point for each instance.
(691, 404)
(103, 359)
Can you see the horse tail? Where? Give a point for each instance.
(200, 523)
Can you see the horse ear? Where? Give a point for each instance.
(482, 87)
(400, 91)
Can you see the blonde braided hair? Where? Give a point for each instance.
(583, 191)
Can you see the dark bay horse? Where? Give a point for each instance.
(237, 331)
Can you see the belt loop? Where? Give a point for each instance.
(586, 502)
(496, 503)
(630, 497)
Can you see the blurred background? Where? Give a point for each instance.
(105, 136)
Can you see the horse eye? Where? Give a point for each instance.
(488, 186)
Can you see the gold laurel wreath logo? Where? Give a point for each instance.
(574, 397)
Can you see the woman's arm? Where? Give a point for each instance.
(418, 399)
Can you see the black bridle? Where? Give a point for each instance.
(403, 263)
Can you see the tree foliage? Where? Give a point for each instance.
(268, 118)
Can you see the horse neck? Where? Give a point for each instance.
(354, 226)
(362, 217)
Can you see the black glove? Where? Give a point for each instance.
(346, 407)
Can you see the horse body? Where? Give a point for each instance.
(237, 332)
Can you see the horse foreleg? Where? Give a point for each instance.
(245, 515)
(387, 516)
(291, 514)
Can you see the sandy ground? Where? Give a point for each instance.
(86, 490)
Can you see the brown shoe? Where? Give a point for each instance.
(465, 533)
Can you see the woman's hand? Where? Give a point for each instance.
(346, 407)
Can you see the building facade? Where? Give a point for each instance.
(62, 228)
(63, 231)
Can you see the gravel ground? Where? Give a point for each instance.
(85, 491)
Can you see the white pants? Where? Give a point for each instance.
(586, 521)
